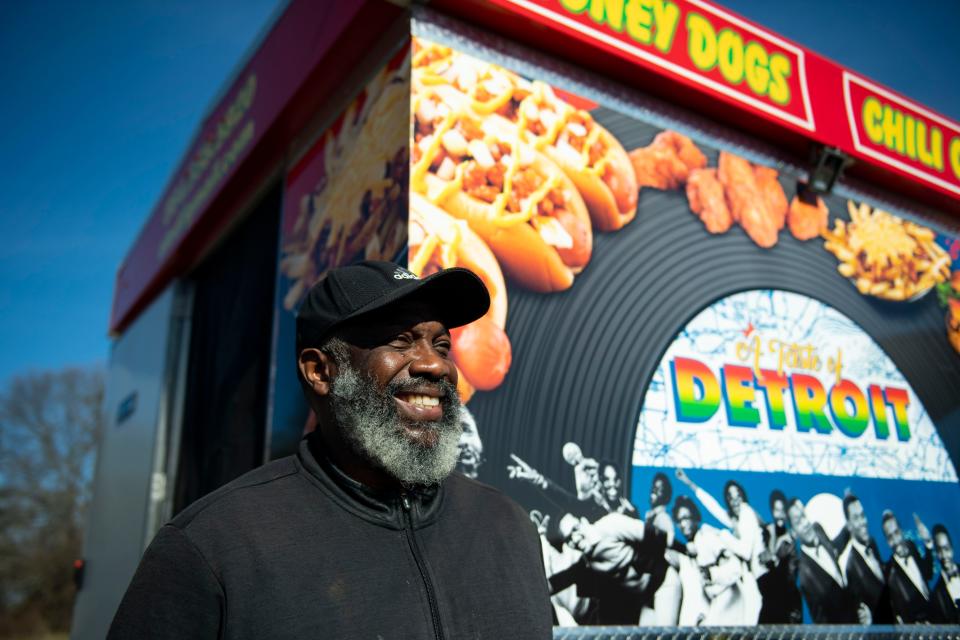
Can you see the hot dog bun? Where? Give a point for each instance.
(471, 252)
(608, 185)
(523, 253)
(611, 203)
(481, 350)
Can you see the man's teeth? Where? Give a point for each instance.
(422, 401)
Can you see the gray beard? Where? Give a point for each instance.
(371, 424)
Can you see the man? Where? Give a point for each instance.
(778, 586)
(610, 483)
(661, 492)
(360, 534)
(908, 572)
(946, 595)
(586, 476)
(860, 563)
(612, 568)
(588, 502)
(664, 611)
(471, 446)
(821, 581)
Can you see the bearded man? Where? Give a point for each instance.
(362, 533)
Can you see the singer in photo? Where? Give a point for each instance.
(946, 595)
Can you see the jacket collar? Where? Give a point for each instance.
(383, 507)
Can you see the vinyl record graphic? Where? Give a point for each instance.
(583, 358)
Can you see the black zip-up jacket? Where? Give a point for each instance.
(295, 549)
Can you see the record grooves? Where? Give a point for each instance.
(582, 359)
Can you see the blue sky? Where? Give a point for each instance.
(99, 102)
(101, 99)
(909, 46)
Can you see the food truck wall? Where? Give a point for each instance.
(126, 482)
(748, 352)
(594, 366)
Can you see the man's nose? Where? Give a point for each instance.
(428, 362)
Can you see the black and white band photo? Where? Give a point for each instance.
(679, 555)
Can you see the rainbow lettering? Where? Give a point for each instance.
(849, 409)
(773, 385)
(698, 393)
(738, 390)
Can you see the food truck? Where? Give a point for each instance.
(725, 282)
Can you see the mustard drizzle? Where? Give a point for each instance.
(499, 214)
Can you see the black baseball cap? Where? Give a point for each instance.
(373, 291)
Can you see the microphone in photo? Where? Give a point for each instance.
(572, 454)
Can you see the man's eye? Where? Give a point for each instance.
(400, 341)
(443, 346)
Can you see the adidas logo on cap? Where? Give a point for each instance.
(403, 274)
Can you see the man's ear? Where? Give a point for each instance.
(318, 369)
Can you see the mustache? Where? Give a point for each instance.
(419, 382)
(448, 391)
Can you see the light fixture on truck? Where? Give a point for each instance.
(828, 166)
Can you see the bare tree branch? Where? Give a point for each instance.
(50, 425)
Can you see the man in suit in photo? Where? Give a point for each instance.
(861, 565)
(611, 568)
(821, 581)
(778, 586)
(946, 595)
(908, 572)
(612, 485)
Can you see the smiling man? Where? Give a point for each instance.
(821, 579)
(861, 565)
(908, 572)
(946, 595)
(364, 533)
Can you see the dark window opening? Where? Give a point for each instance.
(229, 364)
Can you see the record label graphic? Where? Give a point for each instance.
(774, 381)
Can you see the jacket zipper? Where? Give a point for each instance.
(418, 559)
